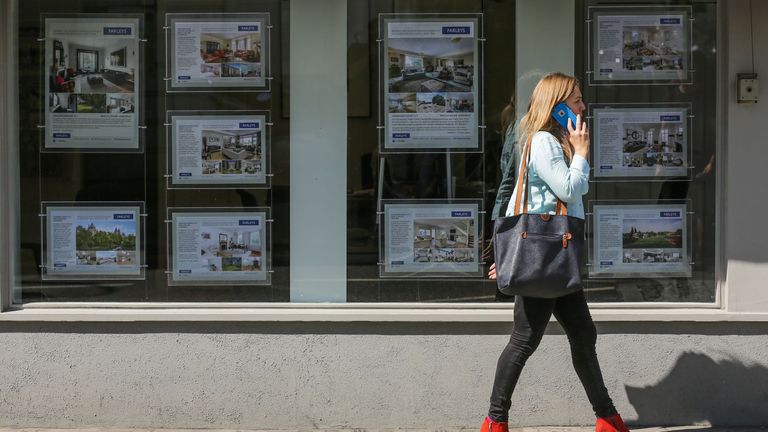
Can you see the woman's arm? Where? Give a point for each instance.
(568, 183)
(508, 165)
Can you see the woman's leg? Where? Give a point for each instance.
(573, 314)
(531, 318)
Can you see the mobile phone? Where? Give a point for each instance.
(562, 113)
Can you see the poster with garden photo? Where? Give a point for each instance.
(93, 242)
(640, 240)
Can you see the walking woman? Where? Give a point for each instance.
(558, 169)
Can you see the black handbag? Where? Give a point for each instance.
(537, 255)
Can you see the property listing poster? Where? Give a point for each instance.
(218, 149)
(430, 238)
(93, 241)
(647, 240)
(641, 46)
(641, 142)
(92, 77)
(431, 74)
(220, 248)
(218, 50)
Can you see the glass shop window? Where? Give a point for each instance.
(155, 163)
(426, 138)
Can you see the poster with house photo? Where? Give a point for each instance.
(92, 79)
(640, 240)
(219, 247)
(224, 51)
(643, 46)
(210, 149)
(430, 239)
(431, 73)
(93, 242)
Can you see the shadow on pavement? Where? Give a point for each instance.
(699, 390)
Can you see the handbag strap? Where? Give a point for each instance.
(561, 209)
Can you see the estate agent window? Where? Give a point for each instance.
(155, 158)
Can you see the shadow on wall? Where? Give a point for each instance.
(699, 390)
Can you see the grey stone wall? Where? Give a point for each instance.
(365, 375)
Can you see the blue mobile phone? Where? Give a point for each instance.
(562, 113)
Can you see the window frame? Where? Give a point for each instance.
(174, 311)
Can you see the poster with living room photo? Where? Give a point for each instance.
(228, 51)
(649, 44)
(211, 149)
(641, 141)
(425, 238)
(219, 247)
(92, 71)
(430, 69)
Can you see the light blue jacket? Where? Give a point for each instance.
(550, 177)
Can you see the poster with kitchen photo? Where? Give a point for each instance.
(218, 52)
(92, 82)
(214, 149)
(640, 240)
(93, 242)
(219, 246)
(431, 73)
(641, 141)
(424, 239)
(641, 44)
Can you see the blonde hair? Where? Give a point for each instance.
(553, 88)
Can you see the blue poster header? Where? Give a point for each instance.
(669, 20)
(456, 30)
(670, 214)
(461, 214)
(117, 31)
(251, 28)
(249, 125)
(248, 222)
(401, 135)
(122, 216)
(671, 118)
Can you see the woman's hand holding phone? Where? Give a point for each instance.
(578, 136)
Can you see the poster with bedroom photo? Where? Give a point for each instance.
(92, 68)
(431, 73)
(225, 51)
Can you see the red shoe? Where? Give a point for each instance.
(494, 426)
(610, 424)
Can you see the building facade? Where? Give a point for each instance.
(275, 214)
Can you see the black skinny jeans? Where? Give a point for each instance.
(531, 318)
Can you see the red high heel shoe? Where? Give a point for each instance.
(494, 426)
(610, 424)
